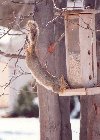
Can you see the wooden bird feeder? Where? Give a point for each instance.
(81, 59)
(80, 40)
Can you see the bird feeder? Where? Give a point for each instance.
(80, 40)
(81, 59)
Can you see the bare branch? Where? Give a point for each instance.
(5, 33)
(6, 65)
(12, 55)
(28, 3)
(12, 79)
(17, 59)
(53, 20)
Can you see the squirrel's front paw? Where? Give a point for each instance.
(28, 50)
(63, 85)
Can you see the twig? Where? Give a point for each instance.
(28, 3)
(12, 55)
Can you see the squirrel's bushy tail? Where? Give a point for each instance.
(33, 33)
(42, 76)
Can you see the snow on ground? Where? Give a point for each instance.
(19, 129)
(75, 126)
(27, 129)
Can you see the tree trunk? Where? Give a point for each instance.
(60, 65)
(54, 110)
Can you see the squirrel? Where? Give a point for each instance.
(42, 76)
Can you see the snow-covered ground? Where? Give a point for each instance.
(19, 129)
(75, 126)
(27, 129)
